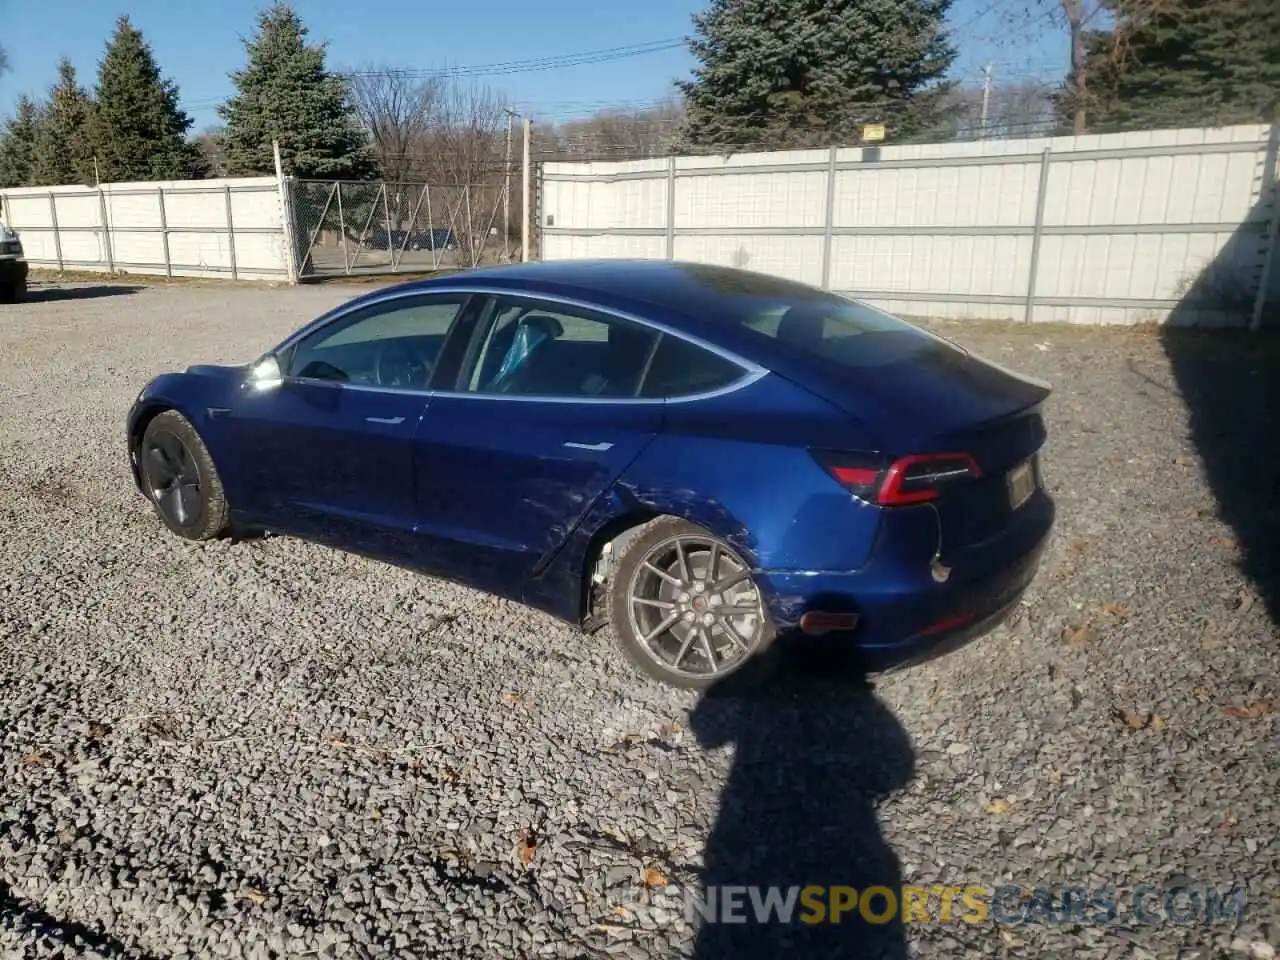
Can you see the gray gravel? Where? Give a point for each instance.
(269, 748)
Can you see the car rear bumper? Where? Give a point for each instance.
(904, 615)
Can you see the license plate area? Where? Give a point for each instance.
(1021, 481)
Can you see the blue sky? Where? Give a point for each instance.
(198, 42)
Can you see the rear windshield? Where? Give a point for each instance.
(831, 328)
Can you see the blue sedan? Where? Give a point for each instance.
(706, 458)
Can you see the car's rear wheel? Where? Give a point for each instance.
(179, 478)
(684, 606)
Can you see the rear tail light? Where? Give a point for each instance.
(918, 478)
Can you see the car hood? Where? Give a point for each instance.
(220, 370)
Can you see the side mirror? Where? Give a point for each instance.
(264, 375)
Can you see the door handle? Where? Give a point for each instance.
(598, 447)
(391, 421)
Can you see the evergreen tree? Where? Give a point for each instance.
(63, 151)
(811, 72)
(284, 92)
(18, 145)
(1181, 63)
(139, 130)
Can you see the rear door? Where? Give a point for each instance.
(329, 453)
(542, 418)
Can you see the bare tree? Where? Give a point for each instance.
(1079, 14)
(464, 158)
(212, 148)
(619, 134)
(398, 109)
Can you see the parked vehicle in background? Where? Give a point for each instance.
(13, 267)
(437, 239)
(708, 457)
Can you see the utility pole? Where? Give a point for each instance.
(986, 96)
(506, 192)
(525, 212)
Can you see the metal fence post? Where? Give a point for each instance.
(106, 230)
(57, 234)
(1036, 234)
(231, 234)
(164, 233)
(671, 208)
(829, 219)
(342, 232)
(1270, 185)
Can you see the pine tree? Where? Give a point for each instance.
(284, 92)
(63, 152)
(1182, 63)
(811, 72)
(18, 145)
(139, 131)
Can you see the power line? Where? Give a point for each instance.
(505, 68)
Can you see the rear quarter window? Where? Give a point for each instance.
(683, 369)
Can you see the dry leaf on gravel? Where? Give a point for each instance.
(1133, 720)
(527, 846)
(510, 698)
(1078, 637)
(1116, 610)
(1008, 939)
(253, 896)
(33, 759)
(1249, 711)
(654, 878)
(999, 805)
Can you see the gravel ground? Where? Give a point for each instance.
(270, 748)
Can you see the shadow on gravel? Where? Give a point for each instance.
(91, 292)
(1229, 380)
(814, 751)
(23, 917)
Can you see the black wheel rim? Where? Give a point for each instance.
(172, 478)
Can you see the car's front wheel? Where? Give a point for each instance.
(180, 480)
(684, 606)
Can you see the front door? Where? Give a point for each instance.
(329, 453)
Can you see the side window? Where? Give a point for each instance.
(681, 369)
(536, 348)
(391, 344)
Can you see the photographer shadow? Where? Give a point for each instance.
(815, 750)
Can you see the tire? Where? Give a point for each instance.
(14, 292)
(180, 480)
(640, 602)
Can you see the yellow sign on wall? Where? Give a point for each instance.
(873, 132)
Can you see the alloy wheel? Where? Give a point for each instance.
(694, 608)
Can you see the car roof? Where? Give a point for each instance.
(695, 298)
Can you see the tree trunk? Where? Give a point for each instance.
(1074, 10)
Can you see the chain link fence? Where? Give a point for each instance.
(347, 228)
